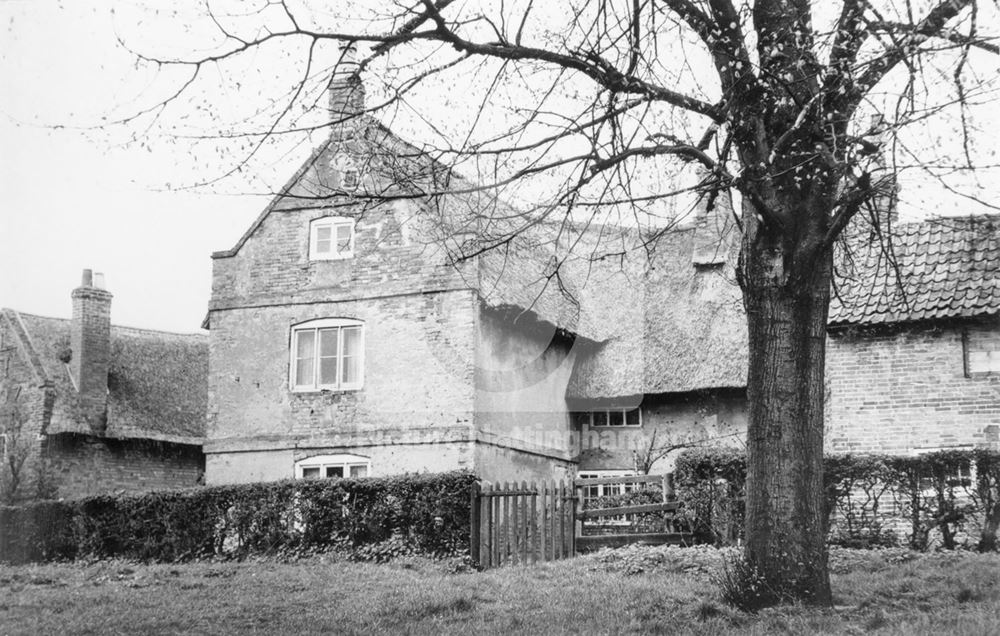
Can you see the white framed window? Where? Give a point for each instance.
(609, 417)
(327, 354)
(592, 493)
(331, 238)
(333, 466)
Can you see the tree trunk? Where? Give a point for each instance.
(787, 305)
(988, 536)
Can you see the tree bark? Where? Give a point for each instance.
(787, 294)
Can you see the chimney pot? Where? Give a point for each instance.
(98, 280)
(87, 279)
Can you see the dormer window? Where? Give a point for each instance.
(331, 238)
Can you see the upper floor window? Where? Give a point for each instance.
(609, 417)
(332, 466)
(331, 238)
(327, 354)
(981, 348)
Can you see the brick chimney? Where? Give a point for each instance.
(90, 342)
(884, 180)
(886, 197)
(347, 92)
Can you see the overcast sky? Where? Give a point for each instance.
(75, 199)
(70, 201)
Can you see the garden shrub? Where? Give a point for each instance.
(428, 514)
(858, 494)
(930, 499)
(712, 484)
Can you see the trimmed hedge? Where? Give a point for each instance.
(372, 518)
(948, 498)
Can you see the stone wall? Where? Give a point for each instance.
(906, 389)
(83, 465)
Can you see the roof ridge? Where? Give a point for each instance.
(193, 334)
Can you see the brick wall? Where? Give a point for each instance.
(893, 391)
(418, 313)
(398, 245)
(82, 465)
(418, 378)
(393, 459)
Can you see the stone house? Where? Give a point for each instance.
(87, 407)
(346, 340)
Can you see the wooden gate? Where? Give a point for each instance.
(524, 523)
(527, 523)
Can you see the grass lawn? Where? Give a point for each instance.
(634, 590)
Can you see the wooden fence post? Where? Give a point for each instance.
(543, 548)
(486, 553)
(495, 529)
(475, 526)
(533, 528)
(577, 519)
(515, 546)
(562, 519)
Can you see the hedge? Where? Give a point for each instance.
(947, 498)
(370, 518)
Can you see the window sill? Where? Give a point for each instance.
(295, 391)
(344, 257)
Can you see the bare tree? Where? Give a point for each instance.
(611, 97)
(14, 447)
(658, 447)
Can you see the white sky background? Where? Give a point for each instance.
(71, 199)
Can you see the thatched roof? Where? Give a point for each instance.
(677, 326)
(675, 322)
(157, 381)
(947, 268)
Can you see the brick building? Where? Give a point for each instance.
(89, 407)
(348, 339)
(913, 362)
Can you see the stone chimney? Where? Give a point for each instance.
(715, 227)
(347, 92)
(90, 343)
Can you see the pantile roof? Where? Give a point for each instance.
(943, 268)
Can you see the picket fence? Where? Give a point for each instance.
(525, 523)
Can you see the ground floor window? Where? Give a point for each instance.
(592, 494)
(328, 466)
